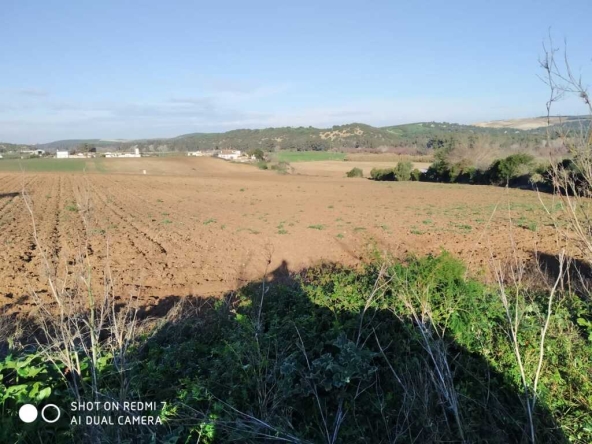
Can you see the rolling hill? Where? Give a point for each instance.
(408, 137)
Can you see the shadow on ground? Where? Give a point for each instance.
(310, 363)
(304, 357)
(8, 195)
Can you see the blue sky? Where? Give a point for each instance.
(138, 69)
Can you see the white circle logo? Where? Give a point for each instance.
(28, 413)
(50, 421)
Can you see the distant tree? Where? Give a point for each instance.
(503, 170)
(258, 153)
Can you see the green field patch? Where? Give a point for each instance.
(43, 165)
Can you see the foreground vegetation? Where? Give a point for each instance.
(394, 352)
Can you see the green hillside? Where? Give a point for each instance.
(412, 137)
(418, 137)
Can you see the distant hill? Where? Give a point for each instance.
(535, 122)
(5, 147)
(414, 137)
(73, 143)
(351, 136)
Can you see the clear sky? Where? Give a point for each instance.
(155, 68)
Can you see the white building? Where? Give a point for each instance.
(229, 154)
(200, 153)
(62, 154)
(136, 153)
(34, 152)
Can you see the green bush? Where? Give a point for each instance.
(382, 174)
(258, 153)
(514, 170)
(403, 171)
(415, 175)
(282, 167)
(355, 172)
(502, 171)
(262, 165)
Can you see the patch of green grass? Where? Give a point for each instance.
(317, 227)
(72, 207)
(427, 222)
(340, 236)
(463, 228)
(209, 221)
(167, 221)
(527, 224)
(43, 165)
(307, 156)
(281, 229)
(242, 189)
(357, 229)
(159, 200)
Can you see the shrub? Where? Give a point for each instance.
(403, 171)
(502, 171)
(415, 175)
(382, 174)
(257, 153)
(282, 167)
(262, 165)
(437, 172)
(355, 172)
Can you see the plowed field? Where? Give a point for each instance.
(194, 226)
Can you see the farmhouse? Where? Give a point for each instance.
(200, 153)
(62, 154)
(136, 153)
(34, 152)
(229, 154)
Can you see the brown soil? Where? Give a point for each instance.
(203, 226)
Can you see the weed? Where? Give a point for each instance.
(209, 221)
(317, 227)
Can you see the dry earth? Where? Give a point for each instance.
(202, 226)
